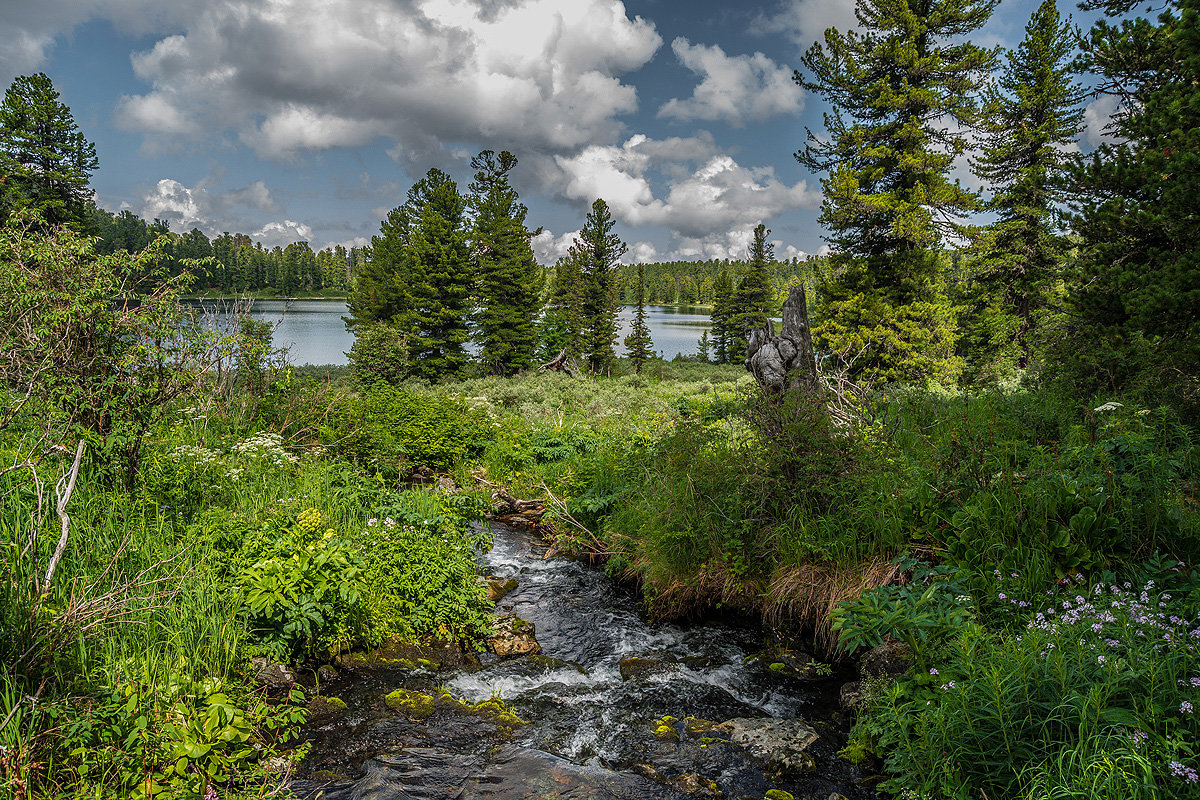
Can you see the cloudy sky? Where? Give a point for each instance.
(309, 119)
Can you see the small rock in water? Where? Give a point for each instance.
(327, 673)
(414, 705)
(780, 743)
(691, 783)
(323, 709)
(851, 696)
(497, 588)
(638, 667)
(664, 730)
(513, 636)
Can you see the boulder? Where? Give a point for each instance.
(512, 636)
(414, 705)
(497, 588)
(851, 696)
(779, 743)
(271, 674)
(889, 660)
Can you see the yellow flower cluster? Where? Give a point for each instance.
(309, 520)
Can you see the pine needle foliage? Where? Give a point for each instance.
(893, 85)
(509, 280)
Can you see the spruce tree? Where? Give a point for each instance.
(1137, 304)
(753, 301)
(638, 343)
(599, 250)
(509, 280)
(1029, 118)
(441, 278)
(45, 160)
(562, 324)
(703, 347)
(895, 86)
(722, 317)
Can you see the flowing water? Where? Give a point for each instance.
(591, 731)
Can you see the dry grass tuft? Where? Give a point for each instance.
(806, 595)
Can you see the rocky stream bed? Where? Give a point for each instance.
(581, 697)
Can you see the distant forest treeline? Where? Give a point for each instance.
(234, 263)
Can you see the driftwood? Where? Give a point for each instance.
(516, 513)
(786, 362)
(561, 363)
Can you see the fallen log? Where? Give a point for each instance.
(561, 363)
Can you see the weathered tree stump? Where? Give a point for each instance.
(561, 363)
(785, 362)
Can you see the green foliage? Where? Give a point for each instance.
(754, 302)
(379, 353)
(174, 738)
(393, 431)
(44, 158)
(509, 279)
(101, 340)
(927, 612)
(1093, 697)
(1135, 316)
(305, 596)
(893, 83)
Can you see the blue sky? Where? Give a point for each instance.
(309, 119)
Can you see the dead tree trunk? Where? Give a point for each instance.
(561, 363)
(786, 362)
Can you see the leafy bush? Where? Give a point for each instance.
(393, 431)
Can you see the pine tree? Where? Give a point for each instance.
(599, 250)
(509, 278)
(45, 160)
(703, 347)
(441, 278)
(894, 85)
(562, 324)
(1138, 301)
(638, 343)
(753, 301)
(722, 317)
(1029, 117)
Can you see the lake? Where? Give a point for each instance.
(314, 333)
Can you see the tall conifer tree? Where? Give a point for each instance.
(722, 317)
(562, 324)
(1140, 202)
(638, 343)
(753, 301)
(45, 161)
(441, 278)
(1030, 116)
(509, 278)
(599, 251)
(894, 85)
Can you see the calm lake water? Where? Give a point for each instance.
(315, 334)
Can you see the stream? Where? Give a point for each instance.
(592, 730)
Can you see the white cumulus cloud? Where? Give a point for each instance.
(735, 89)
(297, 76)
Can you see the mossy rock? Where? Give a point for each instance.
(692, 783)
(696, 727)
(497, 588)
(664, 729)
(447, 700)
(324, 708)
(778, 794)
(497, 712)
(414, 705)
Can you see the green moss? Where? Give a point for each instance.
(697, 727)
(664, 729)
(778, 794)
(778, 665)
(414, 705)
(428, 664)
(495, 710)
